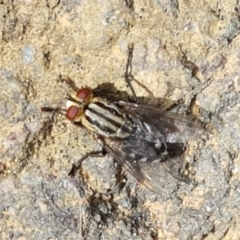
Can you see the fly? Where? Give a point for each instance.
(147, 141)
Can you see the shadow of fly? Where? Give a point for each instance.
(147, 141)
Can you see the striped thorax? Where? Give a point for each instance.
(98, 115)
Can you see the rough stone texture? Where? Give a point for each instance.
(183, 50)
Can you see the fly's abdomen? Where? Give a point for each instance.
(106, 119)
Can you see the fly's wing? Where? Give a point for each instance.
(143, 162)
(168, 123)
(152, 154)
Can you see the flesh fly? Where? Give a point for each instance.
(145, 140)
(142, 138)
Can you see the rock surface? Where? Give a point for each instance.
(183, 50)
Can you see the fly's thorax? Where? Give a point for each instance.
(106, 119)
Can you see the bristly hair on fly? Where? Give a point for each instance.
(145, 140)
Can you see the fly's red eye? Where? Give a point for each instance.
(72, 113)
(84, 93)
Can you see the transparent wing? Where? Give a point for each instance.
(145, 163)
(170, 124)
(153, 152)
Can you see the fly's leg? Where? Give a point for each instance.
(129, 76)
(53, 110)
(128, 72)
(69, 82)
(129, 4)
(77, 166)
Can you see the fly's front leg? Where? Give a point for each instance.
(129, 76)
(54, 110)
(130, 4)
(77, 166)
(69, 82)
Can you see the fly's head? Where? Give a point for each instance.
(77, 103)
